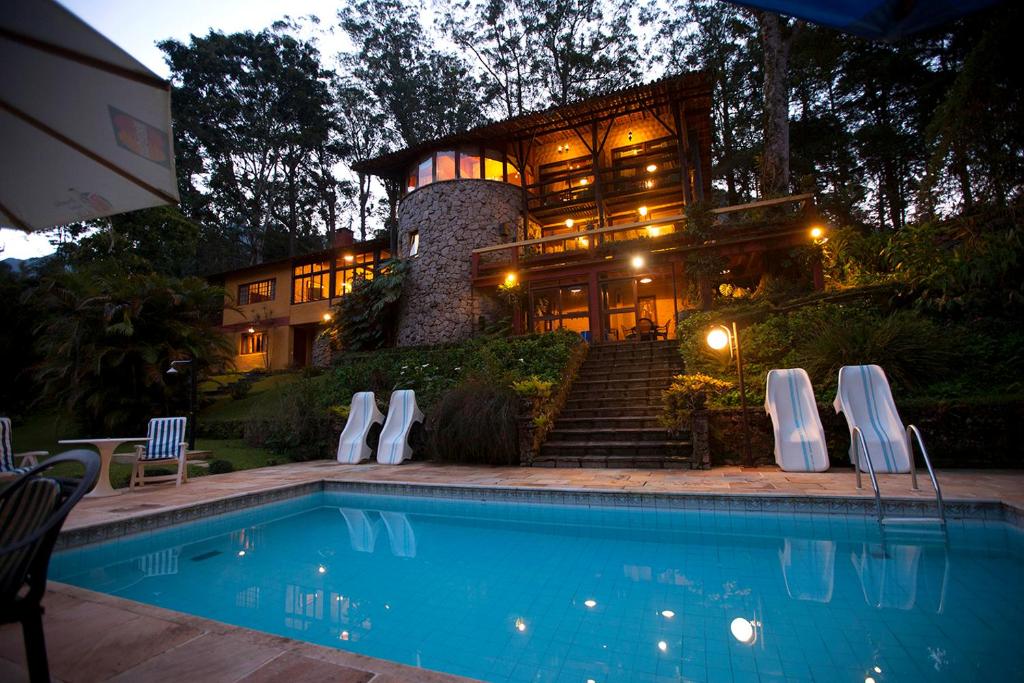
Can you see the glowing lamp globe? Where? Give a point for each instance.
(817, 232)
(743, 630)
(638, 262)
(718, 338)
(510, 279)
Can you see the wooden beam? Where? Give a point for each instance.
(682, 152)
(764, 202)
(657, 118)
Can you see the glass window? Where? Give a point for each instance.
(255, 292)
(445, 166)
(414, 243)
(494, 165)
(469, 163)
(410, 183)
(252, 342)
(514, 177)
(310, 282)
(349, 268)
(425, 172)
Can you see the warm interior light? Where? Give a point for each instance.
(327, 317)
(718, 339)
(569, 222)
(743, 630)
(668, 614)
(575, 290)
(662, 645)
(653, 231)
(252, 330)
(583, 241)
(583, 181)
(651, 168)
(510, 279)
(349, 258)
(637, 261)
(642, 211)
(646, 280)
(520, 624)
(816, 232)
(590, 603)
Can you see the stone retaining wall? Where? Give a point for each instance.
(439, 304)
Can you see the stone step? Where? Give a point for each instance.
(613, 403)
(588, 412)
(615, 461)
(647, 449)
(660, 381)
(606, 434)
(624, 396)
(610, 421)
(628, 371)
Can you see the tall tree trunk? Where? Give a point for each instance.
(364, 197)
(776, 38)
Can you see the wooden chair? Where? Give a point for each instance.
(165, 446)
(8, 458)
(32, 510)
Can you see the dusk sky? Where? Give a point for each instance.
(137, 27)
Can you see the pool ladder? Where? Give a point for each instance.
(861, 446)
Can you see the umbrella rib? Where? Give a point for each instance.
(60, 137)
(81, 58)
(18, 223)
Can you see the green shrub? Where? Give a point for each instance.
(240, 389)
(220, 467)
(475, 423)
(300, 428)
(533, 387)
(364, 319)
(686, 394)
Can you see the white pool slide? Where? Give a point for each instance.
(799, 436)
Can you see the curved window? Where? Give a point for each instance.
(466, 162)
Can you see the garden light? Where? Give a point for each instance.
(511, 279)
(327, 317)
(718, 337)
(816, 232)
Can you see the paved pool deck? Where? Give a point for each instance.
(97, 637)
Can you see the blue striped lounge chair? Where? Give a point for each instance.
(11, 463)
(165, 447)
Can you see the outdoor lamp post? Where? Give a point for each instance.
(719, 337)
(173, 370)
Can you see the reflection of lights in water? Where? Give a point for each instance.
(387, 606)
(590, 603)
(878, 670)
(520, 624)
(869, 679)
(663, 646)
(322, 569)
(743, 630)
(343, 635)
(668, 614)
(241, 553)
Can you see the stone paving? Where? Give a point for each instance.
(96, 637)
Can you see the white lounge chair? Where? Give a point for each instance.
(362, 533)
(808, 568)
(9, 460)
(165, 447)
(799, 436)
(363, 415)
(403, 413)
(400, 533)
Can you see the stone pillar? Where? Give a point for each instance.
(452, 218)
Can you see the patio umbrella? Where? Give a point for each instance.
(85, 129)
(880, 19)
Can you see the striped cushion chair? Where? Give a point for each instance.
(165, 447)
(8, 458)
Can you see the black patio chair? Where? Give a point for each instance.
(32, 511)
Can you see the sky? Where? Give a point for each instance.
(137, 26)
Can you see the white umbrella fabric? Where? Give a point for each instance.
(85, 129)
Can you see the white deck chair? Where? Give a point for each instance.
(403, 413)
(808, 568)
(363, 415)
(400, 533)
(865, 399)
(799, 436)
(362, 533)
(9, 465)
(164, 447)
(888, 574)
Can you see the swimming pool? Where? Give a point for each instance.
(536, 592)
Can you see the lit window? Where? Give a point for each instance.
(350, 267)
(310, 282)
(494, 165)
(255, 292)
(445, 166)
(469, 163)
(410, 183)
(252, 342)
(425, 172)
(414, 243)
(514, 177)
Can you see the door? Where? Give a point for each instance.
(618, 308)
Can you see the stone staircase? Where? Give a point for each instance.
(611, 416)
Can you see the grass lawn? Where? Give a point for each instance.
(261, 400)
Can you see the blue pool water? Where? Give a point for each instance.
(506, 592)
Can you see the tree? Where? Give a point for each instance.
(363, 136)
(107, 336)
(777, 35)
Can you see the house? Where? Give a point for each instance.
(274, 311)
(581, 212)
(583, 216)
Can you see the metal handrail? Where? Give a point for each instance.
(871, 469)
(912, 429)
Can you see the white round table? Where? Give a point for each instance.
(106, 448)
